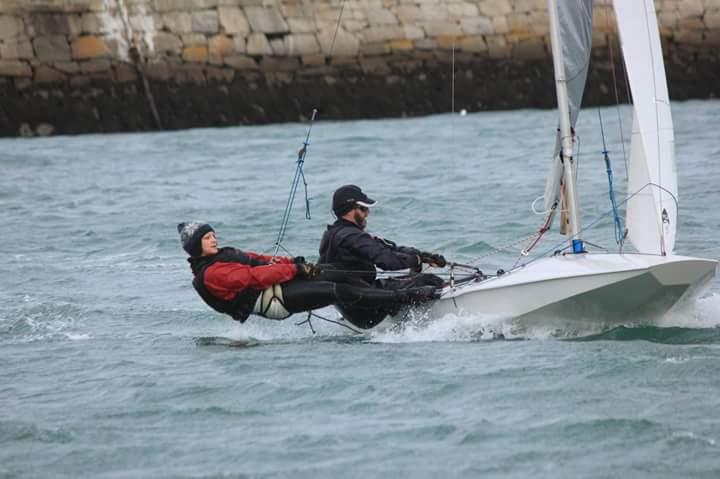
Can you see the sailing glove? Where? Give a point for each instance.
(299, 259)
(434, 259)
(308, 270)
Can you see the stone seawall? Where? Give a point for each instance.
(76, 66)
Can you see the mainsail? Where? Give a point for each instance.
(652, 176)
(575, 18)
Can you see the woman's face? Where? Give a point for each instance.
(209, 244)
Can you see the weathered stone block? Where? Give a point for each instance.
(279, 46)
(233, 20)
(668, 20)
(501, 26)
(257, 44)
(532, 49)
(45, 74)
(190, 74)
(688, 38)
(712, 20)
(178, 22)
(46, 24)
(54, 48)
(380, 17)
(355, 25)
(408, 13)
(272, 64)
(88, 47)
(301, 25)
(266, 20)
(125, 73)
(14, 68)
(539, 22)
(518, 22)
(313, 60)
(194, 39)
(10, 26)
(381, 34)
(401, 45)
(224, 75)
(95, 23)
(691, 23)
(197, 54)
(691, 7)
(346, 44)
(67, 67)
(492, 8)
(205, 21)
(167, 42)
(145, 23)
(219, 46)
(303, 44)
(426, 44)
(434, 12)
(435, 29)
(477, 26)
(158, 71)
(497, 46)
(463, 10)
(95, 66)
(377, 66)
(239, 45)
(371, 49)
(412, 32)
(241, 62)
(169, 5)
(474, 44)
(16, 49)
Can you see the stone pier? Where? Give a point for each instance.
(80, 66)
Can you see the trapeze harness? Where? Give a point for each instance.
(268, 303)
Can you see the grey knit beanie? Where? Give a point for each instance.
(191, 235)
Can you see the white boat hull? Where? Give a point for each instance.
(611, 287)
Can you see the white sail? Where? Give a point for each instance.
(652, 176)
(575, 21)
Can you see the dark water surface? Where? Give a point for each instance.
(112, 367)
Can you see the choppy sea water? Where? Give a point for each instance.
(112, 367)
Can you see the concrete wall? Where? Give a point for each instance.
(112, 65)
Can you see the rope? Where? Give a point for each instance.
(299, 175)
(617, 222)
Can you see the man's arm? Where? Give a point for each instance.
(383, 254)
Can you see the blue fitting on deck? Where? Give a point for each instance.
(577, 246)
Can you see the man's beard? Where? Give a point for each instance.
(360, 220)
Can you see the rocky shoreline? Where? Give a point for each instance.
(100, 66)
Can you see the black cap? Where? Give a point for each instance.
(348, 197)
(191, 235)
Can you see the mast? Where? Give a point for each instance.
(566, 134)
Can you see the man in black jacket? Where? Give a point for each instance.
(355, 254)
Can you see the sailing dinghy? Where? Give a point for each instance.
(578, 284)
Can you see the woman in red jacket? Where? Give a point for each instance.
(240, 283)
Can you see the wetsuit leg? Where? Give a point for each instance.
(304, 295)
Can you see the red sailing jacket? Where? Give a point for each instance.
(225, 280)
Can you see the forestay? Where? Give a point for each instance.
(652, 176)
(575, 18)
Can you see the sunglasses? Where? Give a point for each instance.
(364, 209)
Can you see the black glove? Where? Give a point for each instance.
(307, 271)
(299, 259)
(434, 259)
